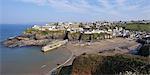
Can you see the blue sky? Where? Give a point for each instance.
(39, 11)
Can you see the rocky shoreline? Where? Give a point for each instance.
(32, 38)
(24, 40)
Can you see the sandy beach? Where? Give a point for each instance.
(79, 48)
(105, 47)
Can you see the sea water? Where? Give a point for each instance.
(26, 60)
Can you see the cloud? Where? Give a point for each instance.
(120, 8)
(38, 2)
(121, 2)
(66, 5)
(104, 3)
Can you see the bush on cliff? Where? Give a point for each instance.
(74, 36)
(30, 31)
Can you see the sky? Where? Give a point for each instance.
(40, 11)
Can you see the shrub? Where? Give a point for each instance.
(144, 50)
(96, 64)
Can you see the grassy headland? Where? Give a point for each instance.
(95, 64)
(137, 27)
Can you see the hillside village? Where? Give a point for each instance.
(110, 29)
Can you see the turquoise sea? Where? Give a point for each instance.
(26, 60)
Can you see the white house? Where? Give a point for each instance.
(36, 27)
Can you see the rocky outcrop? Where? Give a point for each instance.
(25, 41)
(10, 43)
(33, 38)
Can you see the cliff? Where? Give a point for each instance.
(39, 38)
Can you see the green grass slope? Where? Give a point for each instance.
(137, 27)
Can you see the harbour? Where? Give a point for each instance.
(28, 60)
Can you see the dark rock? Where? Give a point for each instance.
(22, 41)
(144, 50)
(39, 37)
